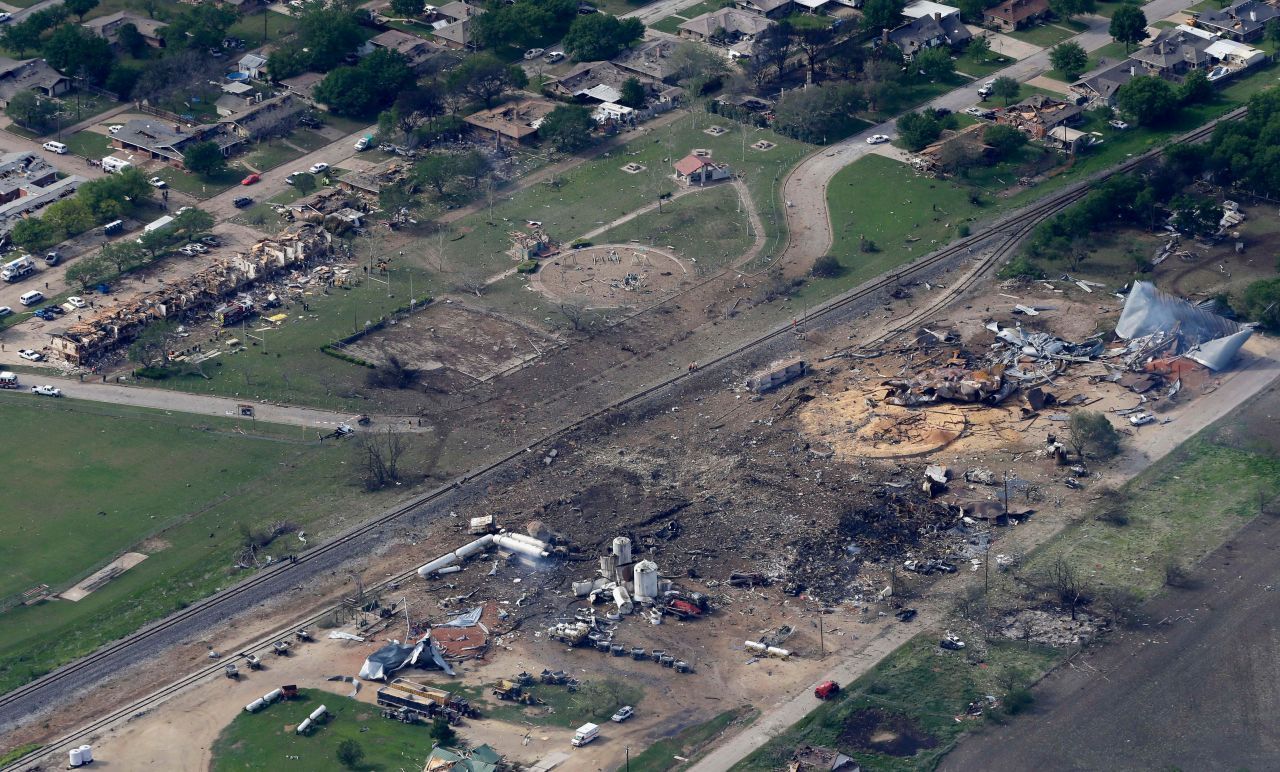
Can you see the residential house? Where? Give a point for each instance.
(699, 170)
(650, 59)
(1234, 55)
(728, 28)
(417, 50)
(598, 81)
(928, 32)
(956, 148)
(1038, 114)
(774, 9)
(303, 85)
(30, 75)
(453, 27)
(514, 120)
(478, 759)
(1173, 52)
(812, 758)
(109, 27)
(1015, 14)
(921, 8)
(253, 65)
(32, 198)
(165, 141)
(361, 183)
(1067, 139)
(260, 118)
(1099, 87)
(23, 172)
(1244, 21)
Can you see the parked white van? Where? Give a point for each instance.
(112, 165)
(31, 298)
(55, 147)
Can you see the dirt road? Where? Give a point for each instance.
(1257, 372)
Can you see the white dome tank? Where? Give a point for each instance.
(86, 753)
(646, 574)
(76, 757)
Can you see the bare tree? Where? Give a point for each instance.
(475, 287)
(576, 315)
(1062, 579)
(378, 457)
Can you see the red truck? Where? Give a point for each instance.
(826, 690)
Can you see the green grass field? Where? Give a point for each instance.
(88, 144)
(263, 740)
(708, 227)
(1043, 35)
(106, 480)
(262, 27)
(271, 153)
(660, 757)
(200, 187)
(594, 701)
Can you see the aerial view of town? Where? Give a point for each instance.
(653, 385)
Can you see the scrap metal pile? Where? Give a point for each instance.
(117, 325)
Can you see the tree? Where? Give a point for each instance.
(123, 255)
(80, 7)
(881, 14)
(826, 267)
(1261, 303)
(774, 46)
(813, 42)
(88, 271)
(436, 171)
(23, 36)
(1273, 31)
(920, 129)
(205, 159)
(1069, 58)
(74, 49)
(70, 216)
(1148, 99)
(484, 76)
(1195, 88)
(972, 11)
(935, 63)
(696, 68)
(1128, 26)
(199, 27)
(33, 234)
(328, 33)
(979, 49)
(442, 733)
(568, 128)
(1195, 214)
(132, 41)
(31, 111)
(600, 36)
(378, 457)
(368, 87)
(1062, 580)
(1090, 432)
(818, 114)
(474, 167)
(632, 93)
(1065, 9)
(408, 8)
(305, 183)
(156, 241)
(286, 61)
(122, 80)
(1006, 88)
(350, 753)
(194, 221)
(1004, 140)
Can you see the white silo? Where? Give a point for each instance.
(622, 550)
(646, 581)
(76, 757)
(86, 754)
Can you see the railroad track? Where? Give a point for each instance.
(1017, 226)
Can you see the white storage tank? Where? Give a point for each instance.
(304, 726)
(318, 713)
(77, 758)
(272, 695)
(646, 574)
(622, 599)
(622, 550)
(86, 754)
(256, 705)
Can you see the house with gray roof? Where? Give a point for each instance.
(1173, 52)
(1099, 87)
(30, 75)
(1244, 21)
(928, 32)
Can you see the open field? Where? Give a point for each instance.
(659, 756)
(1043, 35)
(709, 228)
(174, 488)
(259, 741)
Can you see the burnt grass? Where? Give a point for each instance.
(879, 731)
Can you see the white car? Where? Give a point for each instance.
(5, 311)
(75, 301)
(156, 182)
(115, 127)
(533, 53)
(5, 18)
(1141, 419)
(188, 251)
(624, 713)
(198, 247)
(29, 355)
(553, 56)
(48, 391)
(877, 139)
(1118, 124)
(317, 168)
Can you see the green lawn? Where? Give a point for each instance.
(984, 69)
(271, 153)
(263, 740)
(1043, 35)
(88, 144)
(670, 24)
(660, 756)
(195, 185)
(308, 140)
(176, 488)
(1109, 54)
(252, 29)
(708, 226)
(920, 681)
(594, 701)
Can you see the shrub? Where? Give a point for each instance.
(527, 266)
(826, 267)
(1018, 701)
(1021, 267)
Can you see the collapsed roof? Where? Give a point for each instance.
(395, 656)
(1201, 336)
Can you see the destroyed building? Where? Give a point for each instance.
(1157, 323)
(117, 325)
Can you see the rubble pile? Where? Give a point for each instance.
(1051, 627)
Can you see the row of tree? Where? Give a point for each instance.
(96, 202)
(118, 257)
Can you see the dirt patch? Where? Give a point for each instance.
(453, 337)
(611, 276)
(103, 575)
(876, 730)
(153, 545)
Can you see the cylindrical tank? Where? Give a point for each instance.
(86, 754)
(755, 646)
(622, 550)
(437, 564)
(304, 726)
(608, 565)
(318, 713)
(256, 705)
(453, 569)
(530, 540)
(272, 695)
(774, 651)
(646, 581)
(475, 547)
(623, 599)
(76, 757)
(515, 545)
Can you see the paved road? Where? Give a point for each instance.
(808, 218)
(1257, 371)
(202, 404)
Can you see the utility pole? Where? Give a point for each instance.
(628, 751)
(822, 646)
